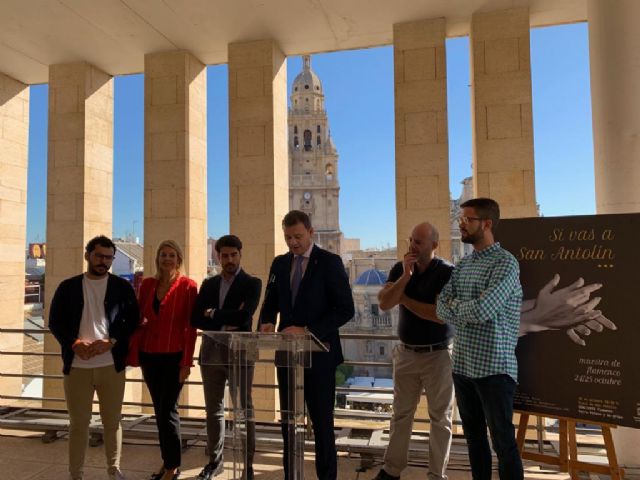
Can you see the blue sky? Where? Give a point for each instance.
(358, 86)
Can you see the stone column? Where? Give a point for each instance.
(615, 99)
(14, 131)
(422, 149)
(503, 166)
(258, 167)
(175, 158)
(175, 162)
(615, 75)
(79, 180)
(422, 145)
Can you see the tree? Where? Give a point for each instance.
(343, 372)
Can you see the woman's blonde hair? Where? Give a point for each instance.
(171, 244)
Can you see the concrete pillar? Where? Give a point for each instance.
(615, 75)
(258, 168)
(422, 148)
(175, 162)
(14, 131)
(175, 158)
(615, 100)
(503, 165)
(422, 145)
(79, 180)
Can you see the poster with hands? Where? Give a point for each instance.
(579, 347)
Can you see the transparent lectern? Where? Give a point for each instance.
(237, 353)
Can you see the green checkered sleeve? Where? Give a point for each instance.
(482, 300)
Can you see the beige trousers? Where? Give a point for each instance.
(79, 388)
(413, 374)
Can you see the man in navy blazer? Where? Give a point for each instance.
(310, 290)
(225, 302)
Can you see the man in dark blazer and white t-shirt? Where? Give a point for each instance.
(310, 290)
(93, 316)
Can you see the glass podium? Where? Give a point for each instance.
(237, 353)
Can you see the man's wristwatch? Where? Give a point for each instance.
(112, 341)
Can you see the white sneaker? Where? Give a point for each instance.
(117, 475)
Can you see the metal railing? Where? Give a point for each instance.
(373, 421)
(48, 413)
(33, 293)
(60, 376)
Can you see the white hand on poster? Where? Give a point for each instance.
(596, 325)
(570, 306)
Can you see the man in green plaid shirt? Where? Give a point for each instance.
(482, 300)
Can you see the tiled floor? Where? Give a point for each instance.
(24, 457)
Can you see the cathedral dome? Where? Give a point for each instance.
(371, 277)
(307, 81)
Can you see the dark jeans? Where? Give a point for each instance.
(214, 379)
(319, 397)
(161, 374)
(488, 401)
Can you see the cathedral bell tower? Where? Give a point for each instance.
(313, 159)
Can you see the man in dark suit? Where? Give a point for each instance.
(225, 302)
(310, 289)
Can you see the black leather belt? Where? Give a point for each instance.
(427, 348)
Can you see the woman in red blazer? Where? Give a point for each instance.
(166, 343)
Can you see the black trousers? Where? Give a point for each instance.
(161, 372)
(319, 397)
(488, 402)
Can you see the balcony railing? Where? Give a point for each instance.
(26, 412)
(313, 180)
(369, 322)
(33, 333)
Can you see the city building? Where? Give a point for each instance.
(314, 187)
(459, 249)
(213, 265)
(369, 318)
(128, 260)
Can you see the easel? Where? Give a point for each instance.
(567, 460)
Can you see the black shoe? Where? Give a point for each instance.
(382, 475)
(157, 476)
(210, 470)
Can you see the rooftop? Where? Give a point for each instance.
(133, 250)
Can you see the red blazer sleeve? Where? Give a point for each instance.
(190, 333)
